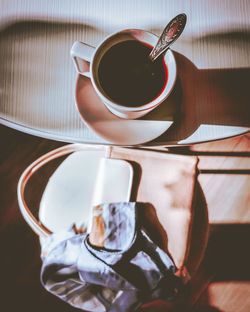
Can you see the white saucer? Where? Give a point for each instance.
(114, 129)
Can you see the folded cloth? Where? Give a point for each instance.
(116, 267)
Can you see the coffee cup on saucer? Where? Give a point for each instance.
(127, 82)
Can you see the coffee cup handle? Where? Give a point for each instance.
(81, 54)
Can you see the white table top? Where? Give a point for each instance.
(38, 78)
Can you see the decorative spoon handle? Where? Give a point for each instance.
(171, 32)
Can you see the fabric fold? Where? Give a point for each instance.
(128, 270)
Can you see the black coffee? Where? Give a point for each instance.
(127, 75)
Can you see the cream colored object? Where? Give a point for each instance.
(84, 179)
(70, 188)
(113, 182)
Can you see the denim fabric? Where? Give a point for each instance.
(128, 271)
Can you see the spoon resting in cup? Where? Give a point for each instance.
(169, 35)
(148, 67)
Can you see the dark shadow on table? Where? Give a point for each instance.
(228, 251)
(188, 150)
(208, 97)
(198, 243)
(227, 258)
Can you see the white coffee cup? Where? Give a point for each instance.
(82, 53)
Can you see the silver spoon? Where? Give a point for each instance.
(170, 33)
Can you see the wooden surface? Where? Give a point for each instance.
(221, 284)
(37, 91)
